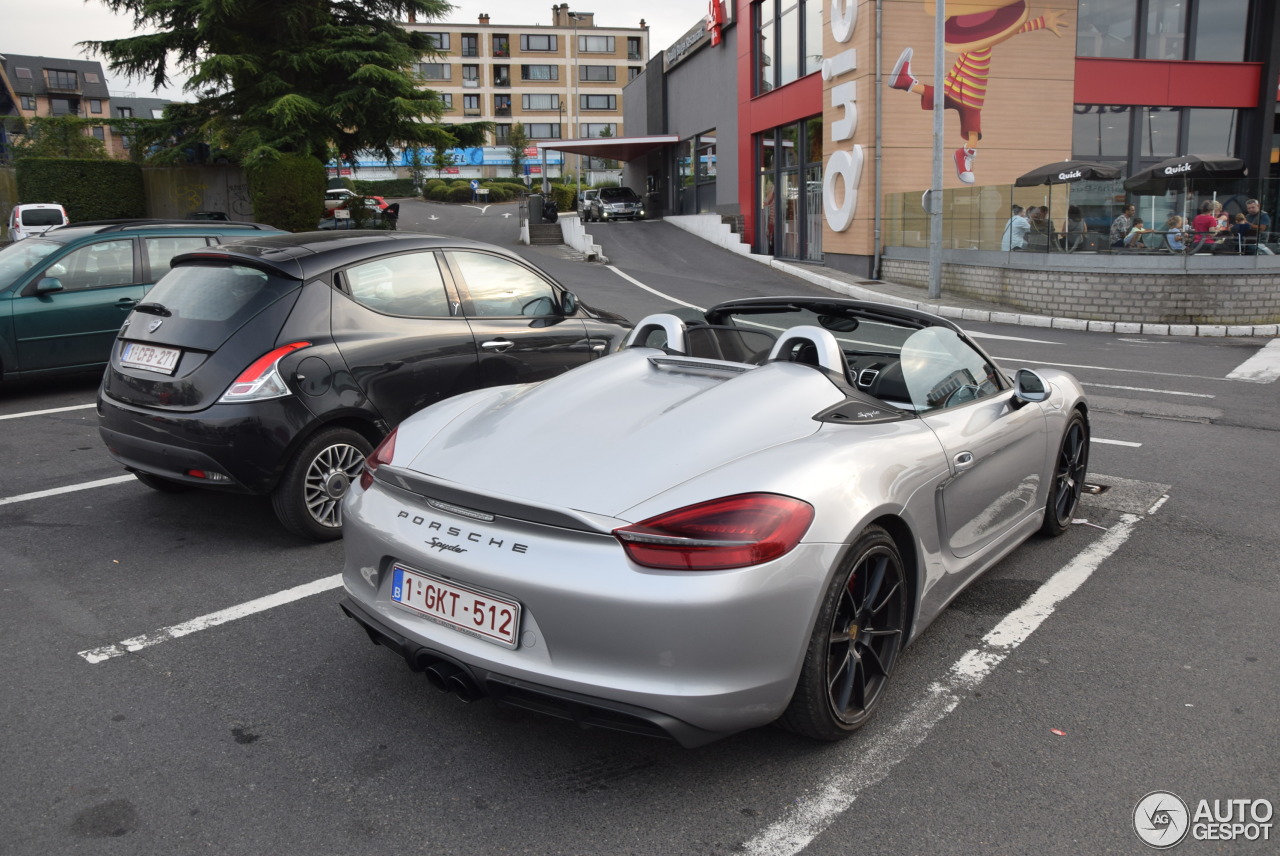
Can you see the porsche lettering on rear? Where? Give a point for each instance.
(456, 532)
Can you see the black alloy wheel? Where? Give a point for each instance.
(308, 499)
(1069, 470)
(860, 631)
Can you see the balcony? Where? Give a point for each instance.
(471, 83)
(63, 87)
(634, 56)
(470, 111)
(502, 111)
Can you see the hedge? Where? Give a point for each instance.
(387, 187)
(88, 189)
(284, 191)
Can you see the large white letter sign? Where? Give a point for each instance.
(845, 164)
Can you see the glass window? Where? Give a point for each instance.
(812, 38)
(598, 102)
(595, 44)
(633, 71)
(1220, 30)
(1211, 130)
(542, 130)
(410, 284)
(789, 42)
(95, 105)
(433, 70)
(471, 104)
(535, 42)
(766, 53)
(501, 288)
(501, 134)
(502, 75)
(501, 45)
(706, 157)
(64, 107)
(125, 112)
(1160, 131)
(470, 44)
(599, 129)
(539, 72)
(99, 133)
(540, 102)
(596, 72)
(1106, 28)
(95, 266)
(61, 79)
(28, 102)
(1100, 132)
(790, 141)
(1166, 29)
(160, 251)
(633, 48)
(941, 370)
(446, 98)
(438, 41)
(502, 105)
(471, 72)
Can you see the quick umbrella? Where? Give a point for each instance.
(1155, 180)
(1067, 171)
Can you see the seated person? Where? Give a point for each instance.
(1133, 240)
(1173, 232)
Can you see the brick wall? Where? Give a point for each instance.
(1165, 296)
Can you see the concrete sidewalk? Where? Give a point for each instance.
(709, 228)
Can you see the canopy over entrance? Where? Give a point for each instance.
(615, 148)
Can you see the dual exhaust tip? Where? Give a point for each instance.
(448, 678)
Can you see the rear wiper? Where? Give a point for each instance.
(152, 309)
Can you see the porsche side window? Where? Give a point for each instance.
(409, 284)
(940, 370)
(500, 287)
(95, 266)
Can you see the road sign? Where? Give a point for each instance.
(475, 185)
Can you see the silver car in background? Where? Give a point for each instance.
(742, 517)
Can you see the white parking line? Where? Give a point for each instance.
(213, 619)
(1026, 362)
(636, 282)
(41, 494)
(864, 763)
(1144, 389)
(1262, 367)
(1115, 442)
(45, 412)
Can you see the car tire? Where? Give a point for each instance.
(1067, 484)
(855, 643)
(308, 499)
(161, 483)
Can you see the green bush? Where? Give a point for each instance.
(88, 189)
(565, 197)
(460, 193)
(432, 184)
(386, 187)
(284, 191)
(439, 193)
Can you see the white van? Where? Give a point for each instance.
(36, 219)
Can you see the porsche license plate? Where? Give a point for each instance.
(472, 612)
(153, 359)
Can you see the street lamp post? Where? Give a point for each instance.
(576, 109)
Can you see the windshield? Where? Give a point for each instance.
(41, 217)
(855, 332)
(618, 194)
(17, 259)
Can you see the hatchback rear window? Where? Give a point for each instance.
(41, 217)
(219, 294)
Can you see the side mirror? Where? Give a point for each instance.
(1028, 387)
(568, 303)
(48, 284)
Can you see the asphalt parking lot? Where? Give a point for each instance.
(179, 678)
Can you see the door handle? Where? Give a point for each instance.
(498, 345)
(963, 461)
(126, 303)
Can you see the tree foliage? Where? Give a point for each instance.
(278, 77)
(517, 142)
(59, 137)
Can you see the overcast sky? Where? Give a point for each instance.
(53, 27)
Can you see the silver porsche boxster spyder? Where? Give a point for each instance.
(741, 517)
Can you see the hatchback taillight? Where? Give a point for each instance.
(731, 532)
(382, 455)
(262, 380)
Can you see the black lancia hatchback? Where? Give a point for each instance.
(273, 366)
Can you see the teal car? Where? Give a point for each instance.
(64, 294)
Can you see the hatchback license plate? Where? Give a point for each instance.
(139, 356)
(475, 613)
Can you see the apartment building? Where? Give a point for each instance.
(562, 81)
(33, 86)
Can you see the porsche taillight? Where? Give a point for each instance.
(730, 532)
(382, 455)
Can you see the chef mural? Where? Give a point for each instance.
(973, 28)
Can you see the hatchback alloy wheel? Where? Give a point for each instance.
(308, 499)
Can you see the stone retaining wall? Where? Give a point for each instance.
(1242, 290)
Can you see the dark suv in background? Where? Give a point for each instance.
(274, 366)
(64, 294)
